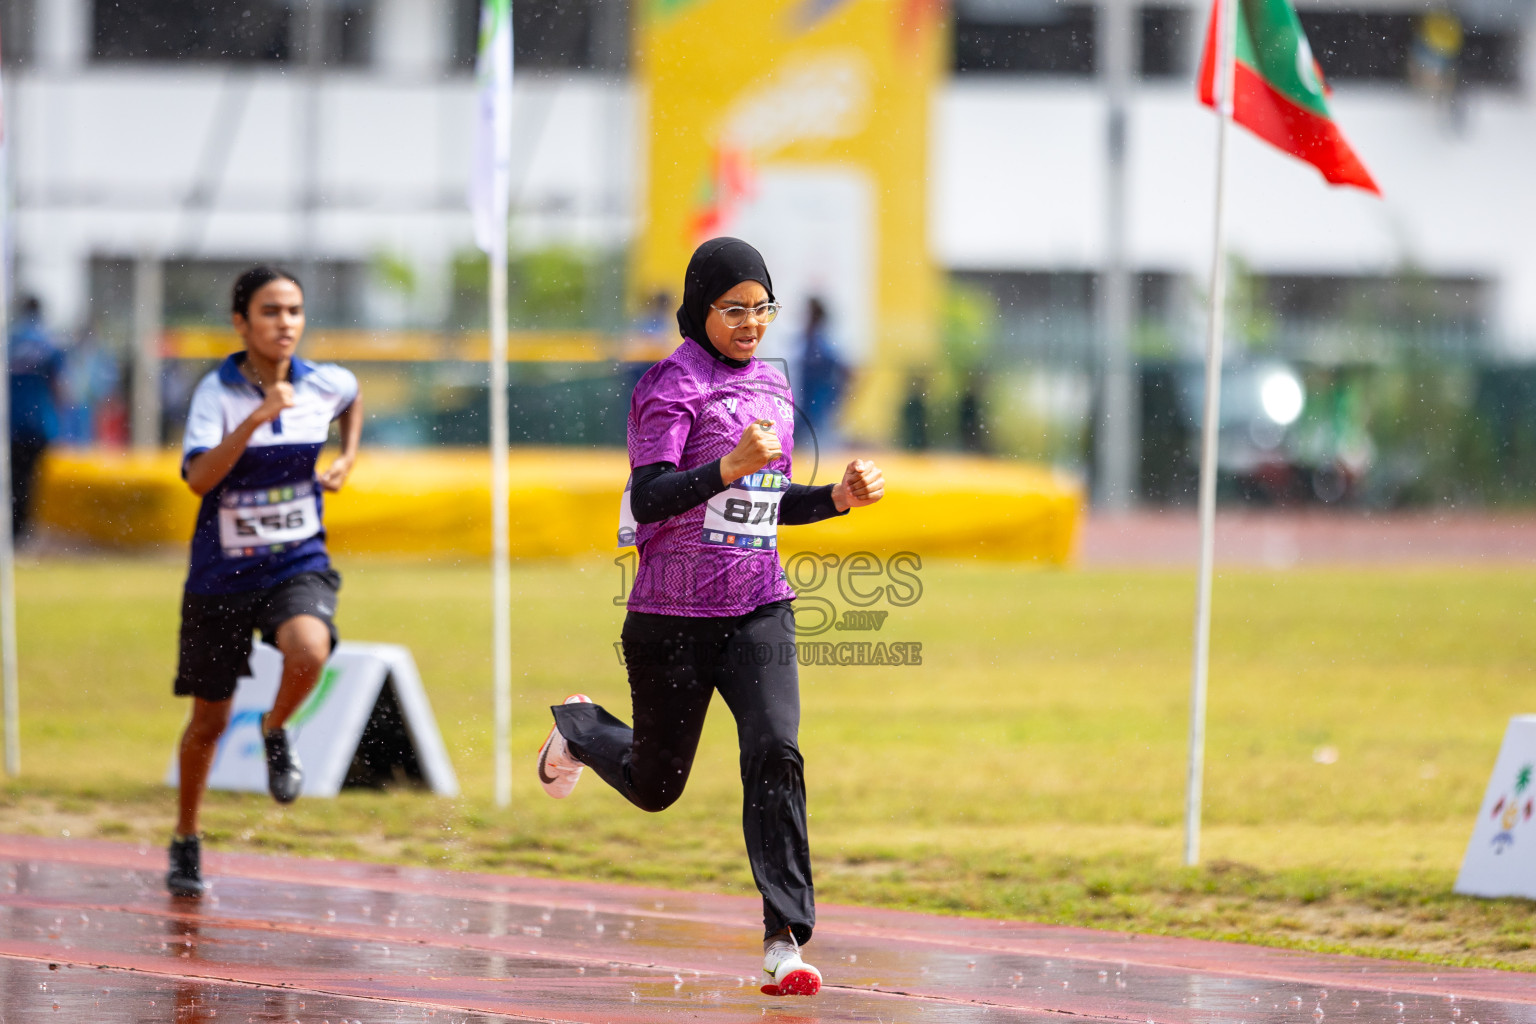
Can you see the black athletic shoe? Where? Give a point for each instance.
(285, 776)
(185, 878)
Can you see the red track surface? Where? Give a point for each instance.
(88, 933)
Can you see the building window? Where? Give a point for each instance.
(348, 32)
(246, 31)
(553, 35)
(1024, 37)
(16, 18)
(1380, 46)
(239, 31)
(1410, 303)
(1165, 42)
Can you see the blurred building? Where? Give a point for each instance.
(164, 142)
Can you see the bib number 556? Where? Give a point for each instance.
(248, 527)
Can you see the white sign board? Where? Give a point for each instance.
(1501, 858)
(368, 719)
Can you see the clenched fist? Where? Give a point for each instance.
(278, 398)
(862, 484)
(759, 445)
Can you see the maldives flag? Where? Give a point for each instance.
(1279, 91)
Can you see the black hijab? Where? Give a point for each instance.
(717, 266)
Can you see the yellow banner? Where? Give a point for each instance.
(802, 127)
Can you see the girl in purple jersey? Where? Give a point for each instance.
(711, 435)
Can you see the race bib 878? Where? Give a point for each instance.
(746, 514)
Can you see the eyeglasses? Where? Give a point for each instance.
(735, 316)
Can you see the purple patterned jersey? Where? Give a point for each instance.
(720, 558)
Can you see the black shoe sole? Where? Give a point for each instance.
(298, 789)
(186, 890)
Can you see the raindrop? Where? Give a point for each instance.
(598, 927)
(853, 958)
(1397, 1007)
(1317, 1013)
(1354, 1004)
(1455, 1011)
(1295, 1001)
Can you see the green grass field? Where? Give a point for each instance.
(1032, 767)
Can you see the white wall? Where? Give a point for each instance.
(106, 160)
(1018, 181)
(109, 159)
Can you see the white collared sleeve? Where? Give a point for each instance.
(205, 420)
(338, 384)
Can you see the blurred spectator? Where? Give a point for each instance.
(653, 334)
(1434, 57)
(91, 379)
(914, 415)
(36, 365)
(822, 376)
(973, 430)
(651, 338)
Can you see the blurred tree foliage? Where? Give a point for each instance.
(548, 289)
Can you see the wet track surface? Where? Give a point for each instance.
(87, 932)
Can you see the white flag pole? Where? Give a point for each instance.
(1226, 44)
(490, 200)
(501, 569)
(8, 670)
(12, 699)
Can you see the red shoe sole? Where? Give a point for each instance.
(795, 983)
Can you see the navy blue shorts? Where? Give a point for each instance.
(217, 629)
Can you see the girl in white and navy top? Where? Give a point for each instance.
(258, 561)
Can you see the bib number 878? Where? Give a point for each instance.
(739, 510)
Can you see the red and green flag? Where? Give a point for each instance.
(1278, 89)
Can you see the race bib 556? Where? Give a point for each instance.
(259, 522)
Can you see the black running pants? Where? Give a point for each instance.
(675, 664)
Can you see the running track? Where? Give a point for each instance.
(87, 933)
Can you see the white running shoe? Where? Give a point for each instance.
(788, 975)
(558, 770)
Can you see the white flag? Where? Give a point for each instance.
(490, 178)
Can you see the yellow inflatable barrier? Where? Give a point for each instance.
(564, 501)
